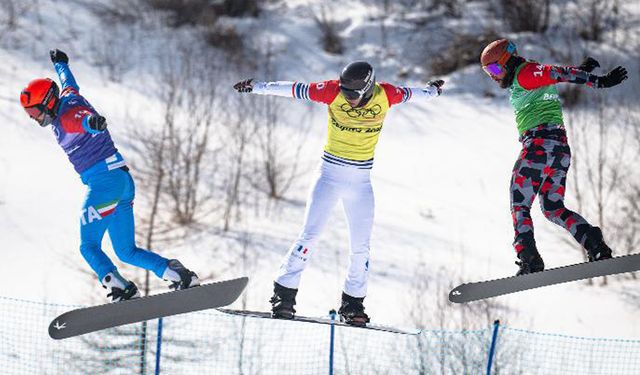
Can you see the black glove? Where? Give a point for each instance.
(614, 77)
(438, 83)
(588, 64)
(97, 122)
(58, 56)
(244, 86)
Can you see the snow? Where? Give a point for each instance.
(440, 178)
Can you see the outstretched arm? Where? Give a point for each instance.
(77, 119)
(61, 64)
(402, 94)
(321, 92)
(533, 75)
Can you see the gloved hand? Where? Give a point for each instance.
(588, 64)
(614, 77)
(58, 56)
(438, 83)
(97, 122)
(244, 86)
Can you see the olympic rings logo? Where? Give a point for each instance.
(372, 112)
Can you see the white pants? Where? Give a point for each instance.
(353, 187)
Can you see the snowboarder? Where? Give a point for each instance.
(357, 106)
(82, 133)
(541, 168)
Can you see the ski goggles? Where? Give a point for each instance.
(498, 67)
(38, 113)
(353, 94)
(494, 69)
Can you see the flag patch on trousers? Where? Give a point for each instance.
(106, 209)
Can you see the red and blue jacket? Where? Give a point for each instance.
(85, 147)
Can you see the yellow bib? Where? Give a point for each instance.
(353, 132)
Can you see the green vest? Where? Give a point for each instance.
(534, 107)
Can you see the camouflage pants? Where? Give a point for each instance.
(541, 169)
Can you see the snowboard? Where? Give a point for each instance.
(493, 288)
(90, 319)
(327, 321)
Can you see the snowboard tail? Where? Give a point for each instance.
(95, 318)
(492, 288)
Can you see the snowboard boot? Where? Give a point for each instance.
(352, 311)
(596, 248)
(180, 276)
(530, 259)
(120, 288)
(283, 301)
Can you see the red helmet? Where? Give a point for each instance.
(39, 99)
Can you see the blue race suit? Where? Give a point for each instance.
(109, 201)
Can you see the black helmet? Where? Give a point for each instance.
(357, 81)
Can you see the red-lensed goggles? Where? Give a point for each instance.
(36, 112)
(498, 67)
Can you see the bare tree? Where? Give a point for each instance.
(627, 225)
(450, 352)
(239, 133)
(597, 16)
(462, 51)
(278, 147)
(170, 162)
(189, 145)
(329, 29)
(526, 15)
(602, 173)
(150, 145)
(112, 51)
(12, 13)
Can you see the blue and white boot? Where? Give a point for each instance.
(120, 288)
(180, 276)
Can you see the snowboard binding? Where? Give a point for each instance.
(283, 301)
(596, 248)
(352, 311)
(180, 276)
(530, 259)
(120, 288)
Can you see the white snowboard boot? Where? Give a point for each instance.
(120, 288)
(180, 276)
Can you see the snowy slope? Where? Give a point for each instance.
(440, 178)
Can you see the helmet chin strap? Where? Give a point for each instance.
(511, 66)
(50, 115)
(47, 120)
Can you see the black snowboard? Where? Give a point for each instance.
(493, 288)
(90, 319)
(306, 319)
